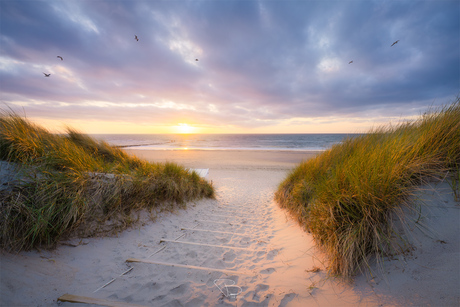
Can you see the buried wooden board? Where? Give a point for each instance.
(225, 223)
(230, 272)
(210, 245)
(95, 301)
(216, 231)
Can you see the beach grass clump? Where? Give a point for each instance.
(348, 196)
(70, 183)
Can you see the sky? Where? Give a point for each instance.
(227, 66)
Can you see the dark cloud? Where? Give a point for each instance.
(258, 61)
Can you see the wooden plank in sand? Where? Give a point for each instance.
(226, 223)
(95, 301)
(215, 231)
(209, 245)
(185, 266)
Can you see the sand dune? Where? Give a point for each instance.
(242, 237)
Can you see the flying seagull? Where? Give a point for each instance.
(46, 75)
(135, 37)
(350, 62)
(60, 57)
(394, 43)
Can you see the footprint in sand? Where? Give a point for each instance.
(261, 287)
(267, 271)
(287, 298)
(179, 289)
(256, 295)
(271, 254)
(191, 254)
(229, 256)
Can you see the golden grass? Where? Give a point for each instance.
(345, 196)
(72, 182)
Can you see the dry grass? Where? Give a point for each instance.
(73, 182)
(346, 195)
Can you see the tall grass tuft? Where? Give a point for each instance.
(72, 183)
(346, 196)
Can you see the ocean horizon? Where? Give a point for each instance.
(280, 142)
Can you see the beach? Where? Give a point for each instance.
(239, 249)
(228, 159)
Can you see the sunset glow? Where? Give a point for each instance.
(184, 128)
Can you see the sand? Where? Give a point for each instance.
(243, 237)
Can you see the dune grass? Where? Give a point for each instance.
(348, 196)
(72, 183)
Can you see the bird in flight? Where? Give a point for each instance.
(350, 62)
(394, 43)
(46, 75)
(60, 57)
(135, 37)
(196, 60)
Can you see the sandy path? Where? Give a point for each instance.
(270, 255)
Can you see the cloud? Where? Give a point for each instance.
(259, 62)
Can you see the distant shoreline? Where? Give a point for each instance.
(247, 142)
(139, 147)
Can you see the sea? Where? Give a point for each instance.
(273, 142)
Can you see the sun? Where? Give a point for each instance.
(184, 128)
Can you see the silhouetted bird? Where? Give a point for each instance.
(196, 60)
(135, 37)
(60, 57)
(394, 43)
(46, 75)
(350, 62)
